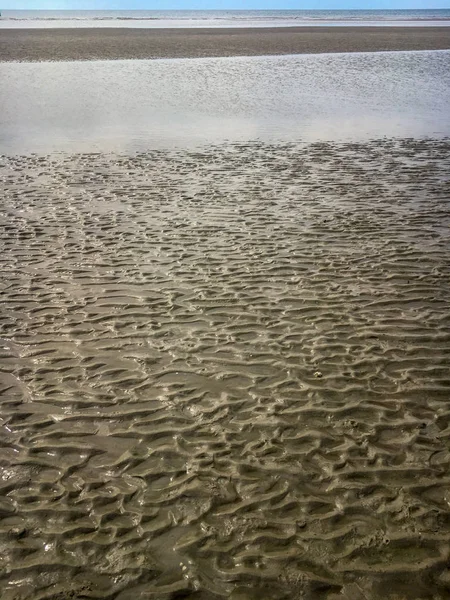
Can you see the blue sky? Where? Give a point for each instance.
(220, 4)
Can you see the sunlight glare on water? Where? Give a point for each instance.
(151, 104)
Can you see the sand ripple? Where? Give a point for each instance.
(225, 373)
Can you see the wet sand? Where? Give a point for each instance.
(225, 373)
(115, 43)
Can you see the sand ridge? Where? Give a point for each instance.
(225, 373)
(116, 43)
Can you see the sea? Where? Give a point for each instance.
(219, 18)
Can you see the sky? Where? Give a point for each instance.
(221, 4)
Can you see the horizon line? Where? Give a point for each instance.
(223, 9)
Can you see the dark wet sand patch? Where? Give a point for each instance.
(115, 43)
(226, 386)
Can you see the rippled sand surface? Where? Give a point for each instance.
(225, 373)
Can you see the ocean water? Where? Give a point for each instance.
(218, 18)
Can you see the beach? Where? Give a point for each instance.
(110, 44)
(225, 325)
(227, 371)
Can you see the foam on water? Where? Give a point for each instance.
(220, 18)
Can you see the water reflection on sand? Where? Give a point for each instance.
(125, 105)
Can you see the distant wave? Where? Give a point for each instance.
(233, 18)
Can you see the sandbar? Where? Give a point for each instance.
(124, 43)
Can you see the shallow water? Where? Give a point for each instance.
(225, 373)
(139, 105)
